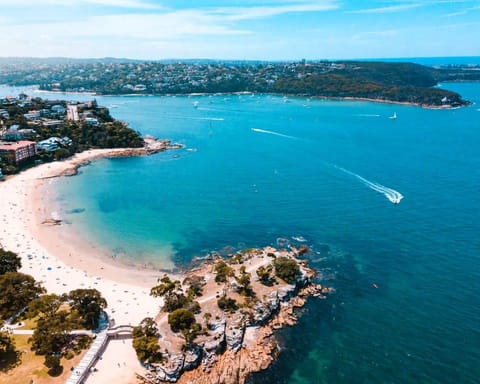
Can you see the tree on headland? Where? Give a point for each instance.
(182, 320)
(287, 269)
(145, 341)
(172, 294)
(223, 271)
(9, 262)
(243, 280)
(18, 290)
(264, 274)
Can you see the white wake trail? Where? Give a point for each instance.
(273, 133)
(391, 194)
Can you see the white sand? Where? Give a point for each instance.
(118, 364)
(62, 261)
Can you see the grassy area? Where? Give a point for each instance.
(32, 369)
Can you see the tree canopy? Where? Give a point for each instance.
(89, 303)
(9, 262)
(17, 291)
(145, 341)
(286, 269)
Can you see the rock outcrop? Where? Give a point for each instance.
(238, 342)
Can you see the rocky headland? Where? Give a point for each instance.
(151, 146)
(235, 306)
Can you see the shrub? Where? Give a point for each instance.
(223, 271)
(264, 274)
(227, 304)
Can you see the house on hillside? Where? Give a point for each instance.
(18, 151)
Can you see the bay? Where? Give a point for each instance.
(257, 169)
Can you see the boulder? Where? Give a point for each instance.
(193, 357)
(234, 336)
(172, 369)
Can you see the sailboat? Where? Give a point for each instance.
(394, 116)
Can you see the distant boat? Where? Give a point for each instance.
(394, 116)
(195, 104)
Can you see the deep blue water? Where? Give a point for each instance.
(257, 168)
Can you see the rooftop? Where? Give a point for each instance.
(16, 145)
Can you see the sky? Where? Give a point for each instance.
(239, 29)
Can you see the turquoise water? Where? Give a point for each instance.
(256, 169)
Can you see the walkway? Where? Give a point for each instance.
(81, 371)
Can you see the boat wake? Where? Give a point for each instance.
(392, 195)
(212, 118)
(273, 133)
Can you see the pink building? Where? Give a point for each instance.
(18, 151)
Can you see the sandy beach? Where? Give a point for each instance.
(61, 260)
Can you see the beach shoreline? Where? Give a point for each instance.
(61, 259)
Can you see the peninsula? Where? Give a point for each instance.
(34, 131)
(378, 81)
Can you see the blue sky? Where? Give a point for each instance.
(246, 29)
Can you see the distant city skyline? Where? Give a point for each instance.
(239, 30)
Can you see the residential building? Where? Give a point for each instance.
(18, 151)
(12, 135)
(53, 143)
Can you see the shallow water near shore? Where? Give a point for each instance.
(257, 170)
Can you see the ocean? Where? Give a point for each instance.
(386, 203)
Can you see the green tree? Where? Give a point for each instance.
(181, 319)
(195, 285)
(89, 303)
(9, 356)
(287, 269)
(167, 286)
(145, 341)
(45, 304)
(227, 304)
(18, 290)
(52, 334)
(264, 274)
(9, 262)
(53, 363)
(172, 293)
(243, 280)
(223, 271)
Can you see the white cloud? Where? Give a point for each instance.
(139, 4)
(178, 24)
(248, 13)
(389, 9)
(462, 12)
